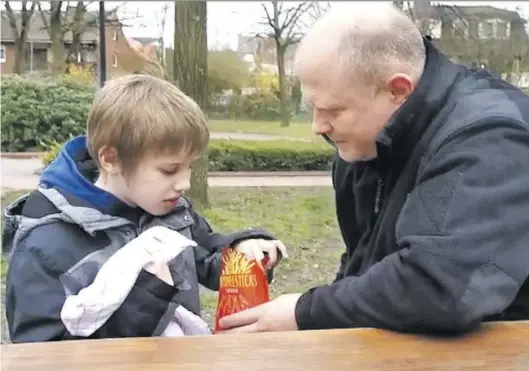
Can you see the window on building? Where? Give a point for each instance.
(3, 54)
(460, 28)
(501, 30)
(115, 35)
(115, 60)
(488, 30)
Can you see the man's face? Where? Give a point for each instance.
(351, 116)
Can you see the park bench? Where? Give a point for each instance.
(495, 346)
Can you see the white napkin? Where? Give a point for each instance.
(85, 312)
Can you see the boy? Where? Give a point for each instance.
(103, 192)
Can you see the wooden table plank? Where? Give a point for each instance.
(499, 346)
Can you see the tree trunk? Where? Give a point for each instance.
(283, 91)
(190, 71)
(78, 27)
(21, 35)
(20, 57)
(56, 37)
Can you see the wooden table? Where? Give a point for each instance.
(499, 346)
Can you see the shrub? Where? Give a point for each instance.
(284, 155)
(236, 155)
(36, 111)
(52, 149)
(255, 106)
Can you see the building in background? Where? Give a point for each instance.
(123, 55)
(260, 52)
(478, 36)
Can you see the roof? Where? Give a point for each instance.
(38, 33)
(454, 11)
(146, 40)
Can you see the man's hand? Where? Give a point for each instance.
(255, 249)
(276, 315)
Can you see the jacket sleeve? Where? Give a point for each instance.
(34, 278)
(462, 237)
(210, 245)
(339, 273)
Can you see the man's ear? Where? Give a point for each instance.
(400, 86)
(109, 160)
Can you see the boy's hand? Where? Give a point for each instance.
(255, 249)
(160, 270)
(162, 245)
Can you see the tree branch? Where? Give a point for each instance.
(12, 19)
(294, 15)
(43, 17)
(269, 18)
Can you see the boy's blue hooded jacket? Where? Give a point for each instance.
(60, 235)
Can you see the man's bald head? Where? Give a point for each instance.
(370, 46)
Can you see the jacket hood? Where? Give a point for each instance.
(73, 172)
(66, 192)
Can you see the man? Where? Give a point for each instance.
(431, 183)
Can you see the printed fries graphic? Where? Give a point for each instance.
(243, 284)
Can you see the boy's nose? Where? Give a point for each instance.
(182, 185)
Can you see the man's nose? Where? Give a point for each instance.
(320, 126)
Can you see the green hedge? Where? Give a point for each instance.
(235, 155)
(41, 110)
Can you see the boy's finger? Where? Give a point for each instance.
(258, 256)
(281, 247)
(270, 249)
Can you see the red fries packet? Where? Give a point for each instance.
(243, 284)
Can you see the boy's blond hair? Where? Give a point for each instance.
(142, 115)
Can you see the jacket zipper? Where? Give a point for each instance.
(378, 196)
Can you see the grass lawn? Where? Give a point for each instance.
(302, 217)
(294, 130)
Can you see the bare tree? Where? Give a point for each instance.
(284, 27)
(190, 73)
(62, 18)
(78, 27)
(318, 9)
(419, 13)
(20, 32)
(52, 21)
(162, 18)
(398, 4)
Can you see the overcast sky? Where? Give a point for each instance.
(228, 19)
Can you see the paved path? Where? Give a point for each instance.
(252, 136)
(20, 173)
(17, 174)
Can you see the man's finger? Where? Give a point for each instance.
(242, 318)
(240, 330)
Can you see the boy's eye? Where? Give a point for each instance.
(169, 171)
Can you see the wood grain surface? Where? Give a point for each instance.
(496, 346)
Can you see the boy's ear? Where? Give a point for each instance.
(108, 158)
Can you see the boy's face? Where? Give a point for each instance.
(157, 182)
